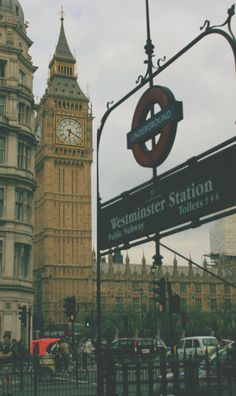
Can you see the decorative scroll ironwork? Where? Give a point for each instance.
(159, 62)
(231, 12)
(149, 50)
(109, 104)
(141, 78)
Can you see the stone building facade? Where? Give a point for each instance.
(17, 145)
(129, 284)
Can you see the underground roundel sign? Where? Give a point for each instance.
(163, 123)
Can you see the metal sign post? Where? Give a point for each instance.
(29, 327)
(196, 195)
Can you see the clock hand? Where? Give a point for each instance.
(70, 132)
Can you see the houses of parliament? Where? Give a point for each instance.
(46, 155)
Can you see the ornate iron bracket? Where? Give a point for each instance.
(149, 50)
(141, 81)
(231, 12)
(109, 104)
(141, 78)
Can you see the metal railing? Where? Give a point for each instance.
(43, 378)
(153, 375)
(127, 374)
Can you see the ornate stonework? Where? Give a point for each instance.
(63, 263)
(17, 184)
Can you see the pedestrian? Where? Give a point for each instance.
(232, 351)
(6, 364)
(36, 358)
(23, 354)
(87, 350)
(56, 356)
(64, 353)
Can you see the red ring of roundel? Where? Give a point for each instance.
(151, 158)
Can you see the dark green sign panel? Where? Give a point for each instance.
(201, 189)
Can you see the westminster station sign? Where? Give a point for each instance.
(198, 190)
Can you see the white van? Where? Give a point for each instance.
(196, 346)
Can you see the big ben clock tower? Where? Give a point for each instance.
(63, 126)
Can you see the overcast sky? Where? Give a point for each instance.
(107, 38)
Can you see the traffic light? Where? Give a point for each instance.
(160, 292)
(157, 260)
(87, 322)
(69, 306)
(23, 315)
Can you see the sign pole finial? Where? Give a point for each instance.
(149, 47)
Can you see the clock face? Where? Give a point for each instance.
(69, 131)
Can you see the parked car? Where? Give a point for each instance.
(161, 347)
(216, 371)
(195, 346)
(225, 341)
(130, 347)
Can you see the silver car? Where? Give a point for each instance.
(217, 370)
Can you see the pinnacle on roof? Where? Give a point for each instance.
(62, 49)
(127, 259)
(143, 259)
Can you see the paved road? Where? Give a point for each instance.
(63, 384)
(56, 387)
(59, 385)
(127, 381)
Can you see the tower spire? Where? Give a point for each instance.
(62, 13)
(63, 52)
